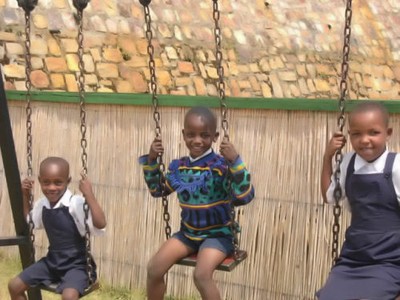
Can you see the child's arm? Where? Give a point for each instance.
(337, 141)
(27, 187)
(98, 217)
(151, 169)
(242, 191)
(31, 213)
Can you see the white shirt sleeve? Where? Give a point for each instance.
(78, 214)
(36, 213)
(396, 176)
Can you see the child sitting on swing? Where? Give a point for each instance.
(201, 182)
(369, 263)
(62, 215)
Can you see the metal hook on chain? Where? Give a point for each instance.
(27, 5)
(145, 2)
(80, 4)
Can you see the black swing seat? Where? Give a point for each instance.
(227, 265)
(53, 286)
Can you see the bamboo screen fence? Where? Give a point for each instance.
(286, 229)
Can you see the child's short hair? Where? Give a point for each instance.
(367, 106)
(205, 113)
(54, 160)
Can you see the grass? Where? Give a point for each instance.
(11, 266)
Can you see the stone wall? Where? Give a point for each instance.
(270, 48)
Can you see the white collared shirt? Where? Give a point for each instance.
(75, 205)
(362, 166)
(201, 156)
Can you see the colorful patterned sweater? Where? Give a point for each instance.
(203, 191)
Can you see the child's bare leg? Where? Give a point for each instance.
(208, 260)
(70, 294)
(17, 288)
(169, 253)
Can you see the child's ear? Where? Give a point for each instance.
(69, 180)
(389, 132)
(216, 136)
(183, 131)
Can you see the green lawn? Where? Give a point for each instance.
(10, 267)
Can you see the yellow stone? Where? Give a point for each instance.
(124, 86)
(322, 85)
(72, 62)
(112, 55)
(14, 71)
(212, 72)
(72, 85)
(69, 45)
(54, 48)
(59, 3)
(57, 81)
(40, 21)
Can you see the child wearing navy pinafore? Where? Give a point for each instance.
(62, 216)
(369, 263)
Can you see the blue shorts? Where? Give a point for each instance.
(40, 273)
(223, 243)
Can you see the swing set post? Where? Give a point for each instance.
(13, 179)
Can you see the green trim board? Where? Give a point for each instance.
(189, 101)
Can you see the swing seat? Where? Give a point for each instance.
(53, 287)
(227, 265)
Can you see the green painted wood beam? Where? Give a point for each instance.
(189, 101)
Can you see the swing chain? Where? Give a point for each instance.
(156, 114)
(81, 89)
(80, 6)
(28, 109)
(220, 70)
(341, 122)
(224, 112)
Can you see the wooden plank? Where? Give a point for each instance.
(14, 240)
(14, 183)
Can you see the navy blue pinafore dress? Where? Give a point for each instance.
(65, 262)
(369, 263)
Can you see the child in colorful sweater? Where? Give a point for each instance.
(201, 181)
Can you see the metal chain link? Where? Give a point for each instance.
(337, 209)
(28, 7)
(156, 114)
(224, 112)
(80, 6)
(220, 70)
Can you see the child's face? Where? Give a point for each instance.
(369, 134)
(198, 135)
(54, 179)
